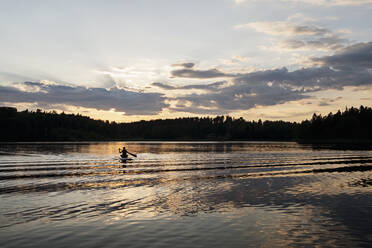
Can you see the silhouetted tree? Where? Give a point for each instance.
(352, 124)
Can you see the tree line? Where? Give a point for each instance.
(351, 124)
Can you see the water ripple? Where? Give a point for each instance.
(200, 194)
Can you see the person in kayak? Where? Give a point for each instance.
(124, 152)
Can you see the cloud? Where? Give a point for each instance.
(164, 86)
(211, 86)
(239, 97)
(132, 103)
(284, 28)
(245, 92)
(349, 67)
(352, 57)
(272, 87)
(200, 74)
(314, 78)
(325, 44)
(185, 65)
(305, 37)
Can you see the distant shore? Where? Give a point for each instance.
(353, 126)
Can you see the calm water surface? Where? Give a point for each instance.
(185, 194)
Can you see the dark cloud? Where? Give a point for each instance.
(238, 98)
(349, 67)
(211, 86)
(164, 86)
(310, 79)
(246, 92)
(132, 103)
(356, 56)
(185, 65)
(200, 74)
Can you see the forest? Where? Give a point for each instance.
(353, 124)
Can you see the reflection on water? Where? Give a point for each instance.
(182, 194)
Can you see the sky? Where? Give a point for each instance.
(139, 60)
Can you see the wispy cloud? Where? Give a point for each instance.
(283, 28)
(187, 72)
(323, 44)
(302, 37)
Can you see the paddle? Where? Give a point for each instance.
(134, 155)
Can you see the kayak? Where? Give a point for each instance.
(125, 159)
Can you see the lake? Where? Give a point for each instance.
(185, 194)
